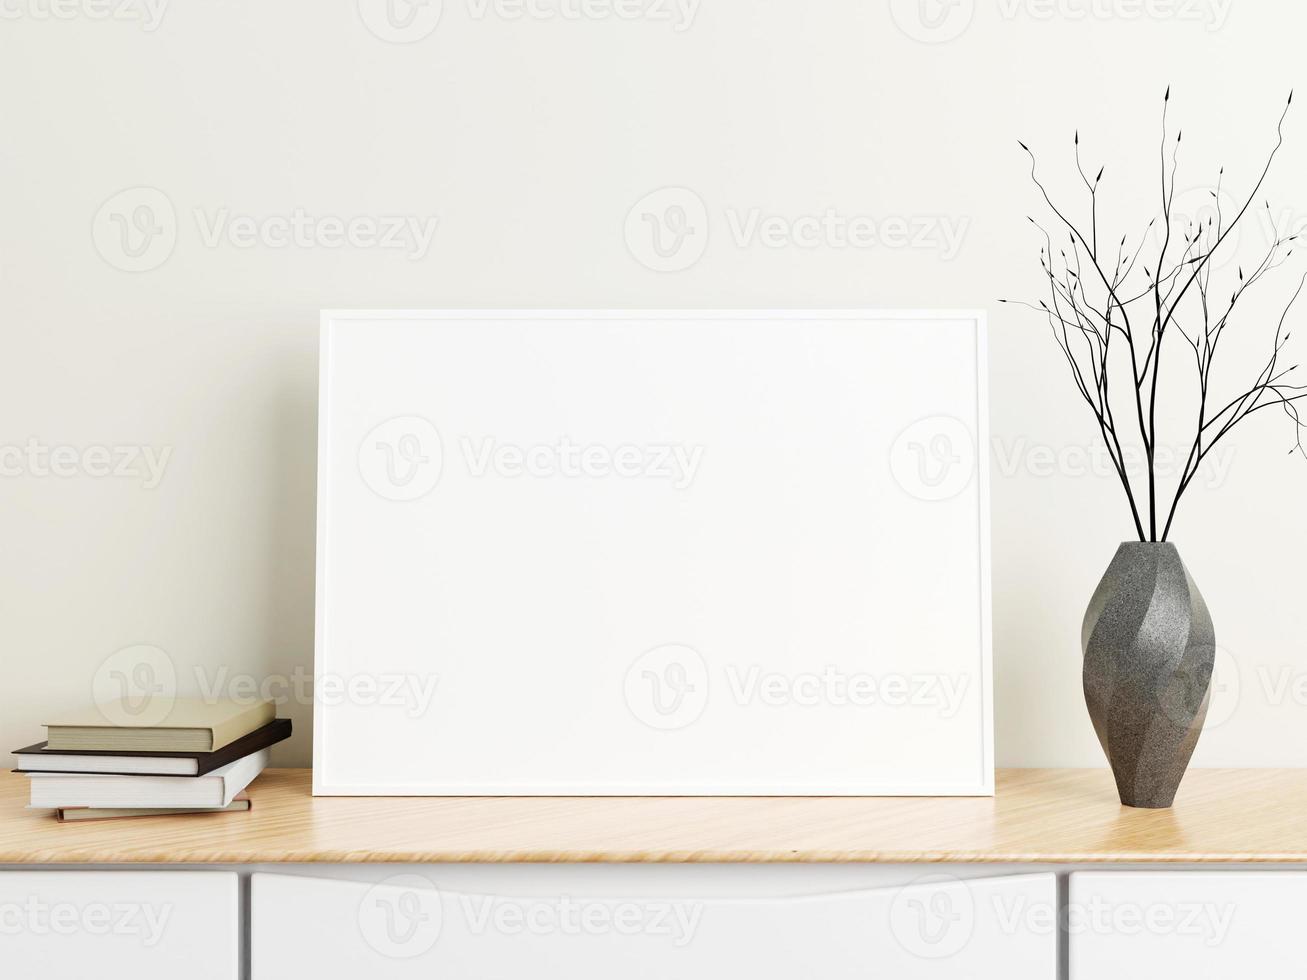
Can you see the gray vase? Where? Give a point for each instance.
(1149, 649)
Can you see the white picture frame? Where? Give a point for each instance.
(532, 524)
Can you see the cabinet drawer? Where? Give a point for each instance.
(410, 924)
(70, 925)
(1193, 924)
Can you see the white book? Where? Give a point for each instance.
(218, 788)
(108, 765)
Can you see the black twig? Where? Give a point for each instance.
(1088, 303)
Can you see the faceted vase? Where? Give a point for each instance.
(1149, 649)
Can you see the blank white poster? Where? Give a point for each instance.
(652, 553)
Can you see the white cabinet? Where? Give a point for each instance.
(119, 925)
(416, 923)
(640, 922)
(1199, 925)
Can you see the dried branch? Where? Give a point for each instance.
(1086, 307)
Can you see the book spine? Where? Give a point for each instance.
(256, 717)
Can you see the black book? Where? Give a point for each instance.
(39, 758)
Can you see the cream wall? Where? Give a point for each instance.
(510, 146)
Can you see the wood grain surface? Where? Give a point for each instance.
(1037, 815)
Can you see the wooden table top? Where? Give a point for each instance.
(1036, 816)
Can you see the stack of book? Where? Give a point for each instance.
(198, 759)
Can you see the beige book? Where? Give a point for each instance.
(190, 725)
